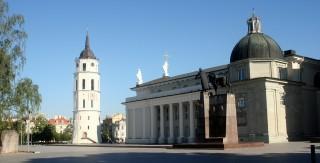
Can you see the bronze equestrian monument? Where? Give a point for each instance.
(220, 116)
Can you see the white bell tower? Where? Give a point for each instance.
(86, 113)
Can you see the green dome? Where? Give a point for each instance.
(256, 45)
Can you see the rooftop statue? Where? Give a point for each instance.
(165, 66)
(139, 77)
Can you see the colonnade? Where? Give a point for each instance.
(162, 123)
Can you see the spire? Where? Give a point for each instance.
(87, 46)
(87, 52)
(254, 23)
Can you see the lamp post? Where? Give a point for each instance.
(28, 129)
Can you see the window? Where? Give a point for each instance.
(241, 74)
(186, 113)
(83, 84)
(241, 112)
(76, 84)
(282, 98)
(92, 84)
(167, 114)
(88, 117)
(176, 114)
(282, 73)
(241, 102)
(158, 114)
(92, 64)
(80, 117)
(77, 65)
(88, 127)
(83, 103)
(92, 103)
(84, 67)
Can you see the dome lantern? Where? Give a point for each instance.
(254, 24)
(256, 44)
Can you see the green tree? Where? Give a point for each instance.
(12, 58)
(49, 133)
(27, 98)
(106, 129)
(40, 122)
(67, 133)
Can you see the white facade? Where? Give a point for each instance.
(119, 131)
(86, 113)
(60, 122)
(277, 99)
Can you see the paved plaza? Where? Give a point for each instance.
(287, 152)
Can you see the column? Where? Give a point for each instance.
(161, 138)
(133, 124)
(144, 123)
(127, 125)
(191, 126)
(171, 134)
(153, 127)
(180, 140)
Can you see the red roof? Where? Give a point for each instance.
(60, 120)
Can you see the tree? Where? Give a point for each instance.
(48, 133)
(12, 59)
(27, 98)
(40, 122)
(106, 127)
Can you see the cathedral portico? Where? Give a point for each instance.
(158, 121)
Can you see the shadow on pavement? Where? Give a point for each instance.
(181, 157)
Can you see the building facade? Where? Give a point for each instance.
(277, 97)
(86, 113)
(60, 122)
(119, 130)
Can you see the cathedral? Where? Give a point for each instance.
(86, 113)
(277, 96)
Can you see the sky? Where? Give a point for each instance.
(129, 34)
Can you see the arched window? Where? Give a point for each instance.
(88, 117)
(92, 84)
(88, 127)
(83, 84)
(84, 67)
(83, 103)
(92, 103)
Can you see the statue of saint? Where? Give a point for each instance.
(165, 66)
(139, 77)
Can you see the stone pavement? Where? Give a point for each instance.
(286, 152)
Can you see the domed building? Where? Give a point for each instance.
(277, 96)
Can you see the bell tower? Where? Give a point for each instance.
(86, 113)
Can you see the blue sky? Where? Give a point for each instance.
(130, 34)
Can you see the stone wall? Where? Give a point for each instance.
(10, 140)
